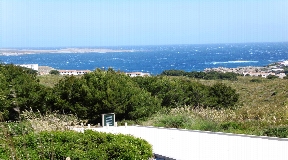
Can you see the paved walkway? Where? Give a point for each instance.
(199, 145)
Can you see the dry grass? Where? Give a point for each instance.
(265, 102)
(50, 80)
(50, 122)
(262, 104)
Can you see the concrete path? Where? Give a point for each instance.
(199, 145)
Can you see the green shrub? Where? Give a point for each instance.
(17, 128)
(55, 72)
(222, 96)
(202, 75)
(281, 132)
(19, 90)
(272, 76)
(255, 80)
(90, 145)
(231, 126)
(184, 120)
(101, 92)
(173, 121)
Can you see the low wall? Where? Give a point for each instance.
(201, 145)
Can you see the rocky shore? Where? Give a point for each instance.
(15, 52)
(276, 69)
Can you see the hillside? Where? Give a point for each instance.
(261, 109)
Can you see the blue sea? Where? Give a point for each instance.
(155, 59)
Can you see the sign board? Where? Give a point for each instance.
(108, 118)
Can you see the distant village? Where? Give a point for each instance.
(275, 69)
(45, 70)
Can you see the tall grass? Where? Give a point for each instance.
(50, 121)
(262, 110)
(49, 80)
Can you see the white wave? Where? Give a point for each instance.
(234, 62)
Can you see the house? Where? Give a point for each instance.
(135, 74)
(281, 75)
(284, 63)
(257, 74)
(44, 70)
(31, 66)
(277, 70)
(73, 72)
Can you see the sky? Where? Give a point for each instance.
(72, 23)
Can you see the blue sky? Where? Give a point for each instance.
(68, 23)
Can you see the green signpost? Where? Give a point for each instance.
(109, 119)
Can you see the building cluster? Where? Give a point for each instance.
(276, 69)
(136, 74)
(73, 72)
(44, 70)
(31, 66)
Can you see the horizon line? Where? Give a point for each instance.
(87, 46)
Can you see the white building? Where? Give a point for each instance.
(73, 72)
(284, 63)
(277, 69)
(135, 74)
(262, 74)
(31, 66)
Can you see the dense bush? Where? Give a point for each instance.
(255, 80)
(19, 90)
(176, 92)
(170, 91)
(272, 76)
(55, 72)
(202, 75)
(109, 91)
(231, 126)
(175, 121)
(174, 73)
(90, 145)
(103, 92)
(222, 96)
(281, 132)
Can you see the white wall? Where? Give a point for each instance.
(31, 66)
(199, 145)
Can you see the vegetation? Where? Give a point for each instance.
(39, 136)
(175, 92)
(55, 72)
(76, 145)
(20, 90)
(261, 110)
(103, 92)
(202, 75)
(272, 76)
(100, 92)
(49, 80)
(250, 105)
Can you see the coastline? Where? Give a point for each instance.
(16, 52)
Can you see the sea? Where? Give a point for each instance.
(154, 59)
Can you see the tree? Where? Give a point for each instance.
(101, 92)
(20, 90)
(55, 72)
(272, 76)
(222, 96)
(174, 73)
